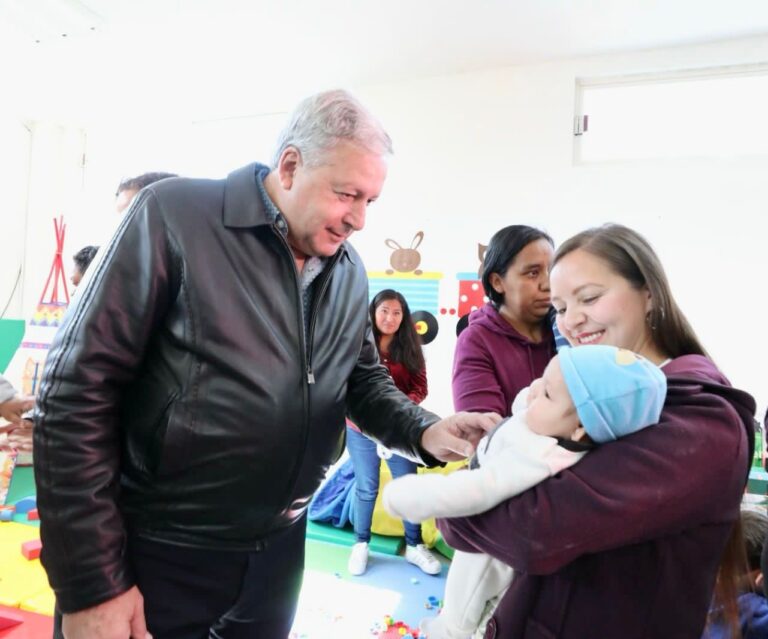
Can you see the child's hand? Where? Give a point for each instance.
(13, 409)
(20, 438)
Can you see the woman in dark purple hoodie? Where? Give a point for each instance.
(627, 543)
(509, 341)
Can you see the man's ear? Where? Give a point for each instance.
(289, 162)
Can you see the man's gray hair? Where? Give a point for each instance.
(322, 120)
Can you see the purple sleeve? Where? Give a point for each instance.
(475, 383)
(687, 471)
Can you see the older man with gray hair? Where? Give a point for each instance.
(197, 391)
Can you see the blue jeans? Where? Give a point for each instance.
(367, 466)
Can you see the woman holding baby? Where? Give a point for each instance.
(626, 543)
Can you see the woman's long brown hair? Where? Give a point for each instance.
(631, 256)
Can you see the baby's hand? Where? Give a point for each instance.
(14, 409)
(20, 438)
(404, 498)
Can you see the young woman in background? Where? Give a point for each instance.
(400, 351)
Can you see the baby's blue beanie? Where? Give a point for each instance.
(616, 392)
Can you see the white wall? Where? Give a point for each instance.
(15, 140)
(56, 190)
(481, 150)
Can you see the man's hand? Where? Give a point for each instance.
(14, 408)
(118, 618)
(455, 437)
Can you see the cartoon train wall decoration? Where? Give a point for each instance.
(422, 288)
(405, 260)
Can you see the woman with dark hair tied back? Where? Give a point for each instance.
(400, 351)
(628, 542)
(509, 341)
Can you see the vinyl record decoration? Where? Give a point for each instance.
(462, 324)
(426, 325)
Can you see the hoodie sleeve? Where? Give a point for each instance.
(475, 384)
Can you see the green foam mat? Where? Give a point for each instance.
(346, 537)
(758, 481)
(326, 557)
(22, 484)
(443, 548)
(11, 334)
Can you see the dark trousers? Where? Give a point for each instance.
(191, 593)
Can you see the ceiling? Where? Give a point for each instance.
(92, 58)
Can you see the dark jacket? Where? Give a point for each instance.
(493, 362)
(178, 403)
(626, 544)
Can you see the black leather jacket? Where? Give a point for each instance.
(179, 401)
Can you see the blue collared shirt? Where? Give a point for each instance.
(313, 265)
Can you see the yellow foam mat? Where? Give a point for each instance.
(23, 583)
(43, 602)
(385, 524)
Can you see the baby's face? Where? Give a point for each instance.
(550, 409)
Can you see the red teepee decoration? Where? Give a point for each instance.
(57, 268)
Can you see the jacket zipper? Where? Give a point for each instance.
(328, 271)
(306, 351)
(306, 354)
(300, 301)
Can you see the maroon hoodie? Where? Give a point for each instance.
(626, 543)
(493, 362)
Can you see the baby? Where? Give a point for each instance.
(587, 395)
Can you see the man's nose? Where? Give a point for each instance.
(355, 217)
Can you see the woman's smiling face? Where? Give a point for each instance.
(595, 305)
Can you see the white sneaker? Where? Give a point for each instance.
(358, 558)
(421, 556)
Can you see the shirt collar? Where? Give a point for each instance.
(274, 216)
